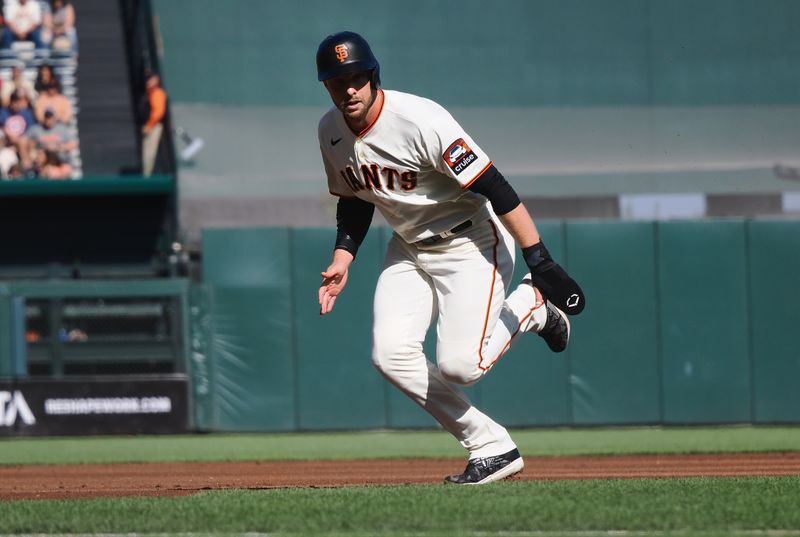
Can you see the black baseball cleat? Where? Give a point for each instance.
(556, 329)
(488, 469)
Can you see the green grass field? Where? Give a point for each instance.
(680, 507)
(396, 444)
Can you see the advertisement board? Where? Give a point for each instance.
(94, 406)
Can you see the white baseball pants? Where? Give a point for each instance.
(463, 280)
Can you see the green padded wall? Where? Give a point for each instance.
(614, 349)
(337, 386)
(245, 257)
(6, 329)
(774, 260)
(200, 368)
(686, 322)
(529, 385)
(704, 326)
(252, 354)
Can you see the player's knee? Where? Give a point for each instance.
(458, 361)
(379, 361)
(388, 352)
(458, 372)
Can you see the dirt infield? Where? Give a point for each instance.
(171, 479)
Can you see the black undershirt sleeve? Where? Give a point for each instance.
(494, 186)
(353, 217)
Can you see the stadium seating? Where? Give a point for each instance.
(65, 66)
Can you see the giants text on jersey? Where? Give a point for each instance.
(414, 162)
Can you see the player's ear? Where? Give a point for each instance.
(375, 79)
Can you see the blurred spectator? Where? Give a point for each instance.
(46, 28)
(23, 22)
(44, 77)
(15, 172)
(52, 98)
(51, 166)
(17, 80)
(8, 157)
(52, 135)
(60, 22)
(18, 105)
(154, 108)
(16, 119)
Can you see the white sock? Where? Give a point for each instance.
(538, 319)
(521, 301)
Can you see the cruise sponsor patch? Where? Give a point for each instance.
(459, 156)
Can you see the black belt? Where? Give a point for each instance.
(441, 236)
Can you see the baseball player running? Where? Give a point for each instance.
(451, 256)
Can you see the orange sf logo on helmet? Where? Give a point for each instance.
(341, 53)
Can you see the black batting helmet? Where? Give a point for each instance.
(343, 53)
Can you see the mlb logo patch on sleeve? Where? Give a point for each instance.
(458, 156)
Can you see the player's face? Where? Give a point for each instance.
(352, 94)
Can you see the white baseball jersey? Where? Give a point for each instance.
(414, 163)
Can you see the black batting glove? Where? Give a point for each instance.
(553, 281)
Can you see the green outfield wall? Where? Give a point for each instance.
(570, 98)
(503, 53)
(686, 323)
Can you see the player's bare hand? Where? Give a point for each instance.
(333, 281)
